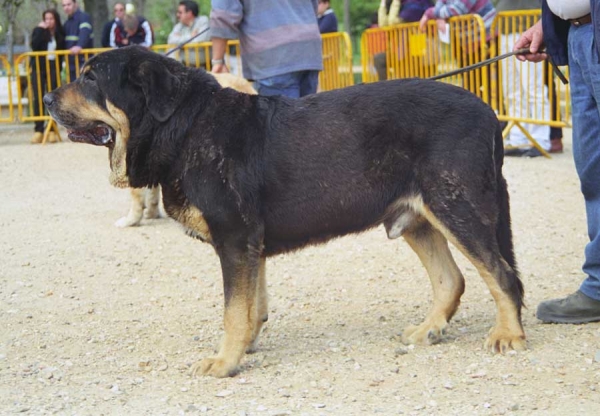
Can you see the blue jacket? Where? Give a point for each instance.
(556, 32)
(78, 30)
(328, 22)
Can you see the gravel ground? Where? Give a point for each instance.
(100, 320)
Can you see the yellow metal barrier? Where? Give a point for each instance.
(402, 51)
(337, 62)
(7, 89)
(525, 94)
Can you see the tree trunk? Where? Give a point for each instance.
(10, 41)
(98, 11)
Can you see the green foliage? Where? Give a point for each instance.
(361, 12)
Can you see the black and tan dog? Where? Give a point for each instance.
(258, 176)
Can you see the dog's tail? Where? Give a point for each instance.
(503, 227)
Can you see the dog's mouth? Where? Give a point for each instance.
(99, 135)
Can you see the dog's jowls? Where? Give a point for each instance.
(258, 176)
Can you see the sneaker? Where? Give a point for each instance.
(37, 137)
(576, 308)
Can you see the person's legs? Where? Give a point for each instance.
(380, 61)
(309, 81)
(36, 100)
(584, 305)
(293, 85)
(585, 99)
(526, 96)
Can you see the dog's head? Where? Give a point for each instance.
(114, 91)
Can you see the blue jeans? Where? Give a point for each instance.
(293, 85)
(584, 71)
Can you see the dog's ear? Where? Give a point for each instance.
(161, 88)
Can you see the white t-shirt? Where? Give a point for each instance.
(52, 48)
(570, 9)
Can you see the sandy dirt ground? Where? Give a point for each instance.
(97, 320)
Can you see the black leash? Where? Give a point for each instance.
(181, 45)
(489, 61)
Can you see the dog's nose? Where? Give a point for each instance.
(49, 99)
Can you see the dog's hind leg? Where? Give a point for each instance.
(446, 279)
(151, 202)
(135, 211)
(472, 229)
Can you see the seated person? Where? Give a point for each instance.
(131, 30)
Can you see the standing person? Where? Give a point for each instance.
(78, 36)
(48, 36)
(131, 30)
(190, 24)
(119, 13)
(524, 90)
(279, 40)
(570, 30)
(326, 16)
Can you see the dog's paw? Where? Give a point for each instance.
(502, 340)
(126, 222)
(214, 366)
(424, 334)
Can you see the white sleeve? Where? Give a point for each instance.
(148, 30)
(113, 43)
(175, 34)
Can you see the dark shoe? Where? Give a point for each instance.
(515, 151)
(533, 152)
(576, 308)
(556, 145)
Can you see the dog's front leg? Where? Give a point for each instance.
(240, 285)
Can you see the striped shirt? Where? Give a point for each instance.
(276, 36)
(445, 9)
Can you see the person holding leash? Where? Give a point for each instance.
(570, 31)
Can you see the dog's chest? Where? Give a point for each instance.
(192, 220)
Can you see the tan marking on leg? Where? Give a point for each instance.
(136, 209)
(151, 202)
(241, 317)
(193, 220)
(262, 303)
(508, 332)
(446, 280)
